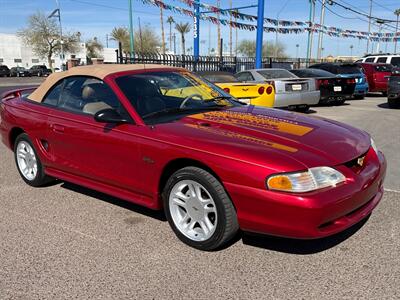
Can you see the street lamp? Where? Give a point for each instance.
(380, 22)
(297, 50)
(57, 14)
(351, 50)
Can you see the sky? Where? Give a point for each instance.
(98, 17)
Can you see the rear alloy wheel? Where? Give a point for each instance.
(28, 163)
(198, 209)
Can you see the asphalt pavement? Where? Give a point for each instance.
(65, 242)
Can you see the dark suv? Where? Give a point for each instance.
(394, 91)
(39, 70)
(4, 71)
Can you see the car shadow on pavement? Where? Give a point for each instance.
(301, 247)
(386, 105)
(155, 214)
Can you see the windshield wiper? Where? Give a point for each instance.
(164, 111)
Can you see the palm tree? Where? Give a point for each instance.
(170, 21)
(183, 28)
(397, 13)
(121, 35)
(162, 31)
(93, 48)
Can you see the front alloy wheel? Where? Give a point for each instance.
(28, 163)
(198, 209)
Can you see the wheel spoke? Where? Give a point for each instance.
(204, 227)
(179, 202)
(207, 221)
(197, 189)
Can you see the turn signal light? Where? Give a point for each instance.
(261, 90)
(227, 90)
(269, 90)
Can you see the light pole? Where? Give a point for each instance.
(310, 32)
(130, 29)
(351, 50)
(320, 34)
(369, 25)
(322, 53)
(57, 14)
(297, 50)
(277, 27)
(397, 13)
(260, 30)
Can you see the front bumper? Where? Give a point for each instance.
(300, 98)
(312, 215)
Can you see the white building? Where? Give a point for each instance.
(13, 52)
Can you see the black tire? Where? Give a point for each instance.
(227, 225)
(393, 103)
(41, 178)
(384, 94)
(339, 102)
(302, 109)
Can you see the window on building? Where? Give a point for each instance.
(35, 60)
(17, 60)
(1, 60)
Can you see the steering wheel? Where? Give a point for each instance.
(189, 98)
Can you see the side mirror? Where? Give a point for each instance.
(109, 115)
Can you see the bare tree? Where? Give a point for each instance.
(43, 36)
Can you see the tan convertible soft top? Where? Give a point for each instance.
(97, 71)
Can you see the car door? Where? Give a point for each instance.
(81, 146)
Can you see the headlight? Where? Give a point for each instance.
(373, 145)
(313, 179)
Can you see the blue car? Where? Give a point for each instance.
(347, 70)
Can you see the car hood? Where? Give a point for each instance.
(268, 137)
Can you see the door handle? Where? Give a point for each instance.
(57, 128)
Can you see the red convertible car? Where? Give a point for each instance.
(163, 138)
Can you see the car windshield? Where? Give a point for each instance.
(349, 69)
(165, 96)
(276, 73)
(303, 73)
(383, 68)
(219, 78)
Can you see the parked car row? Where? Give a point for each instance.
(325, 83)
(37, 70)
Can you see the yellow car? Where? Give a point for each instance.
(260, 94)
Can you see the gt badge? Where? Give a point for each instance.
(360, 161)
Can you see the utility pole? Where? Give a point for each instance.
(369, 24)
(310, 35)
(320, 34)
(277, 27)
(130, 29)
(236, 37)
(260, 30)
(397, 13)
(218, 27)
